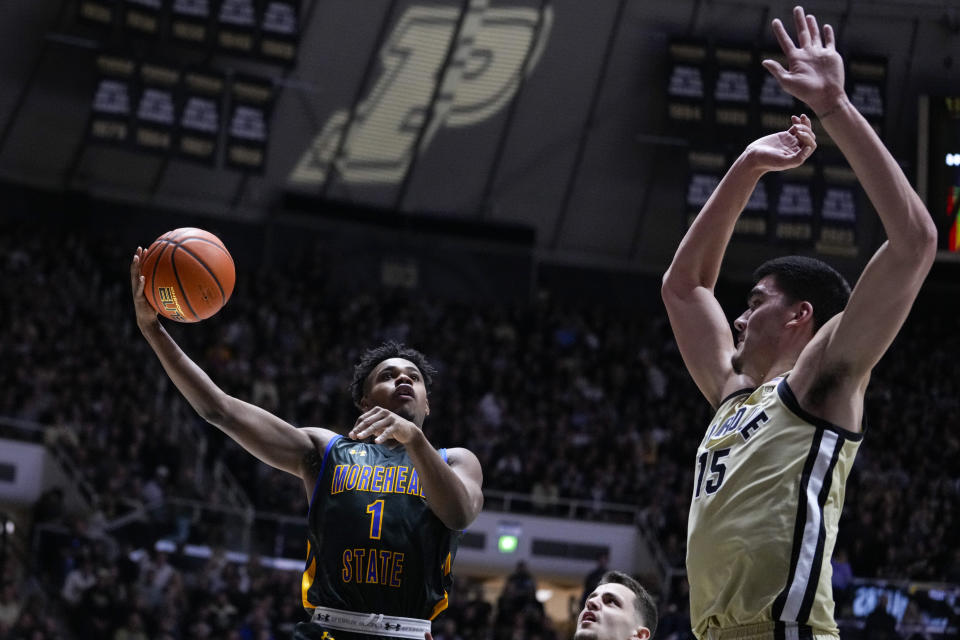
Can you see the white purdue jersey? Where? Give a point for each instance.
(768, 491)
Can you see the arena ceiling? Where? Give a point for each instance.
(545, 114)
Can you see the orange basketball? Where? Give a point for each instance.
(188, 274)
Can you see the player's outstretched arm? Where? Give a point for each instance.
(263, 434)
(882, 297)
(453, 489)
(699, 325)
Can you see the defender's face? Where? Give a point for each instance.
(758, 328)
(396, 384)
(610, 614)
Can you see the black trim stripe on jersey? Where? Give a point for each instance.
(791, 631)
(798, 525)
(807, 576)
(786, 395)
(814, 579)
(738, 392)
(323, 464)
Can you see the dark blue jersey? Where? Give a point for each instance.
(374, 544)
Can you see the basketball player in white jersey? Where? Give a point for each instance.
(789, 385)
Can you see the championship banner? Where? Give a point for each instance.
(705, 171)
(837, 233)
(112, 100)
(155, 117)
(101, 13)
(776, 105)
(687, 85)
(248, 129)
(200, 116)
(732, 93)
(142, 16)
(279, 31)
(236, 27)
(189, 21)
(867, 88)
(753, 223)
(793, 211)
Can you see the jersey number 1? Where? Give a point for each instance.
(375, 509)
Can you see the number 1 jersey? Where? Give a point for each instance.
(374, 545)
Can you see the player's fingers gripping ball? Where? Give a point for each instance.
(188, 274)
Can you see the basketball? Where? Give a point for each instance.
(188, 274)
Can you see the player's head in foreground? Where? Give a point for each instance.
(619, 608)
(395, 377)
(793, 297)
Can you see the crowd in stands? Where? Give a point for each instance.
(556, 400)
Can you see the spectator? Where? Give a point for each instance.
(78, 581)
(842, 579)
(880, 624)
(10, 606)
(132, 629)
(592, 579)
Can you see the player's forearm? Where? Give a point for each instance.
(698, 258)
(449, 499)
(266, 437)
(908, 225)
(194, 384)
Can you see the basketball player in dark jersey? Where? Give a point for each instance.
(770, 471)
(385, 506)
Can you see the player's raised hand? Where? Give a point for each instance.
(783, 150)
(384, 425)
(145, 313)
(814, 72)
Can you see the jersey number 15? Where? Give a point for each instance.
(717, 471)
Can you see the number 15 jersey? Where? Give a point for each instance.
(374, 545)
(768, 491)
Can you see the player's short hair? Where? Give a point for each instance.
(807, 279)
(643, 602)
(372, 357)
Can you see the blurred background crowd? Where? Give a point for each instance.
(557, 401)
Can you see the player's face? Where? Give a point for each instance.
(758, 329)
(610, 614)
(397, 384)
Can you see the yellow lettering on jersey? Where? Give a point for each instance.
(358, 555)
(385, 565)
(339, 478)
(414, 487)
(372, 566)
(352, 477)
(402, 479)
(365, 473)
(347, 572)
(390, 479)
(373, 560)
(378, 479)
(396, 577)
